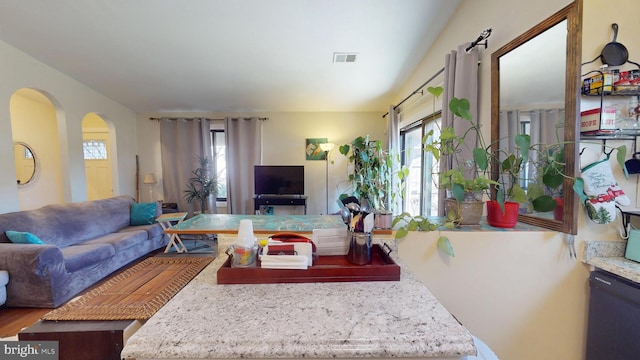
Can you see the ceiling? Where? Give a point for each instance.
(230, 55)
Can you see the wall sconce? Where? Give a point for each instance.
(326, 147)
(150, 179)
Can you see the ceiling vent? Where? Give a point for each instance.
(344, 57)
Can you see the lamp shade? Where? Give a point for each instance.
(327, 146)
(150, 178)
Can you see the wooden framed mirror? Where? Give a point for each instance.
(548, 55)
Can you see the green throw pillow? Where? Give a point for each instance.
(143, 213)
(21, 237)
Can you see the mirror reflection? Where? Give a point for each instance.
(532, 93)
(530, 78)
(25, 161)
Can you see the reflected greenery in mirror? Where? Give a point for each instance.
(535, 82)
(25, 161)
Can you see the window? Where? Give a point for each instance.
(421, 197)
(95, 149)
(219, 148)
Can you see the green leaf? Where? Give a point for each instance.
(435, 91)
(458, 192)
(518, 194)
(553, 179)
(401, 232)
(620, 156)
(534, 190)
(544, 203)
(481, 158)
(344, 149)
(523, 141)
(445, 246)
(460, 108)
(578, 187)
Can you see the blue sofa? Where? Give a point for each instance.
(83, 243)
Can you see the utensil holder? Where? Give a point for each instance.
(359, 248)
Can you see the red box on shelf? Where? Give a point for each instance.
(596, 120)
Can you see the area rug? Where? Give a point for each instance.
(135, 294)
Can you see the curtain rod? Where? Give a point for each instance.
(418, 90)
(210, 119)
(483, 36)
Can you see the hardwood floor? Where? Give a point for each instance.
(12, 320)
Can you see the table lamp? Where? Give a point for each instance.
(150, 179)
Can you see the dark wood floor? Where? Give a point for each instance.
(12, 320)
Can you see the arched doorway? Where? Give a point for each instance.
(34, 127)
(97, 157)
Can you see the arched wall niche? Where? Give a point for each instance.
(35, 121)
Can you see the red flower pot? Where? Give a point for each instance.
(559, 210)
(496, 218)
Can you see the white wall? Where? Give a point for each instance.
(284, 136)
(518, 291)
(73, 101)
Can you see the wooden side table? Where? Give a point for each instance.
(165, 221)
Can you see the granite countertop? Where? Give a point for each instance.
(609, 256)
(312, 320)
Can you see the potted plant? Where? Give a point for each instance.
(540, 189)
(202, 186)
(465, 181)
(372, 177)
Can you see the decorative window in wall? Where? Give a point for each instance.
(95, 149)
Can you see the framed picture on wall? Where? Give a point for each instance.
(313, 150)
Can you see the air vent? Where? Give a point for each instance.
(344, 57)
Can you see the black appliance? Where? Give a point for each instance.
(613, 331)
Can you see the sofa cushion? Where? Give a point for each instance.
(77, 257)
(152, 230)
(22, 237)
(120, 240)
(143, 213)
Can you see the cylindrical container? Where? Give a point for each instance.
(244, 251)
(359, 248)
(243, 256)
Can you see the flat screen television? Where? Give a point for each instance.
(278, 180)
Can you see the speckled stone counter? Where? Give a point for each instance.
(313, 320)
(609, 256)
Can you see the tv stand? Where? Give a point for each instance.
(279, 200)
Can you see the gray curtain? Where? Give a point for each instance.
(546, 126)
(460, 81)
(244, 150)
(509, 128)
(182, 141)
(393, 140)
